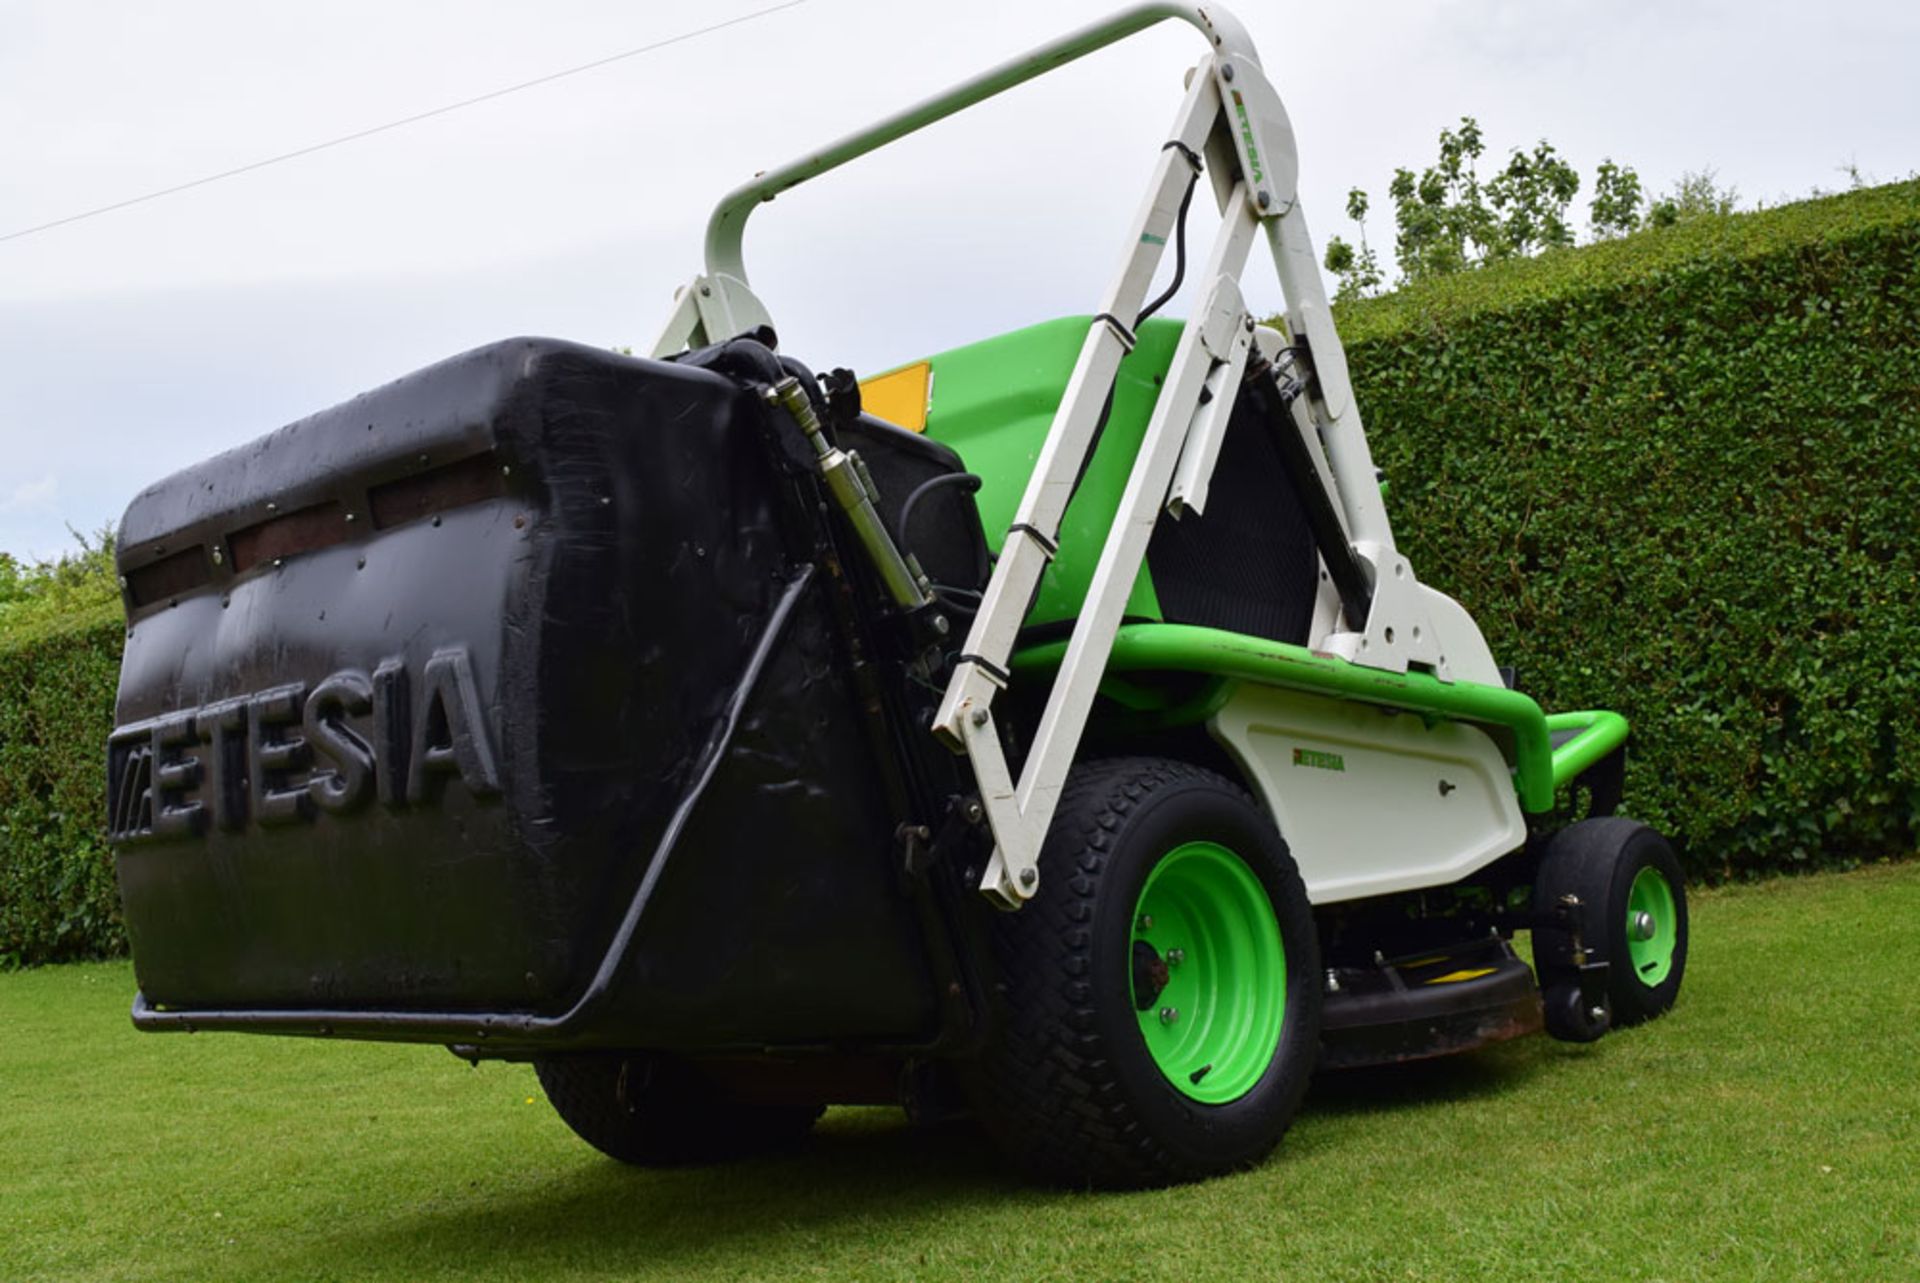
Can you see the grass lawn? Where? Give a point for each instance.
(1768, 1129)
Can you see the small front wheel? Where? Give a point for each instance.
(1161, 992)
(1632, 907)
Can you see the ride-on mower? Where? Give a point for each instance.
(1049, 729)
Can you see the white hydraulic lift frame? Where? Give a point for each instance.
(1232, 116)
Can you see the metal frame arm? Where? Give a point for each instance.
(1232, 114)
(726, 227)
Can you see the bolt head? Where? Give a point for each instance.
(979, 717)
(1028, 877)
(1264, 200)
(1596, 1014)
(1143, 923)
(1169, 1014)
(1226, 72)
(1643, 926)
(941, 626)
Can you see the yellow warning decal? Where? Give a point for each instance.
(1454, 976)
(900, 396)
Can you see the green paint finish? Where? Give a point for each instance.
(1184, 648)
(1247, 138)
(1215, 1026)
(993, 401)
(1600, 733)
(1652, 951)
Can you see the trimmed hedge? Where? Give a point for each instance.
(1678, 475)
(58, 900)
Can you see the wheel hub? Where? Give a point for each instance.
(1208, 972)
(1652, 937)
(1150, 975)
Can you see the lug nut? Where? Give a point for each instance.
(1144, 922)
(1169, 1014)
(1643, 926)
(1176, 956)
(1597, 1014)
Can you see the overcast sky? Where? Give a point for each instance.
(140, 341)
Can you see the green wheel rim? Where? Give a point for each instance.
(1653, 926)
(1209, 975)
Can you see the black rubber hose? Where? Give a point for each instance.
(1179, 250)
(965, 480)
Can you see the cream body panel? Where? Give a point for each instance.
(1371, 801)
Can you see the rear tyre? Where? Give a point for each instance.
(655, 1112)
(1632, 916)
(1160, 995)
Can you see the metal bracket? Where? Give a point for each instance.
(710, 309)
(1227, 335)
(1399, 631)
(1262, 134)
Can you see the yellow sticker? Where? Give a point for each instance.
(1453, 976)
(900, 396)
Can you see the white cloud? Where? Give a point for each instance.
(31, 496)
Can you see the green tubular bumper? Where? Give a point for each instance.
(1539, 769)
(1600, 733)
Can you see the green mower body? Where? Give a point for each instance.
(1049, 730)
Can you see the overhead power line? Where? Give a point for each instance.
(356, 136)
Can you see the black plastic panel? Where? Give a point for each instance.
(1248, 564)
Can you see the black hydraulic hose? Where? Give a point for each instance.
(967, 481)
(943, 593)
(1179, 277)
(1179, 243)
(463, 1026)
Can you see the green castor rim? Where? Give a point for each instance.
(1209, 976)
(1652, 927)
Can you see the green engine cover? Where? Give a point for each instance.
(993, 402)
